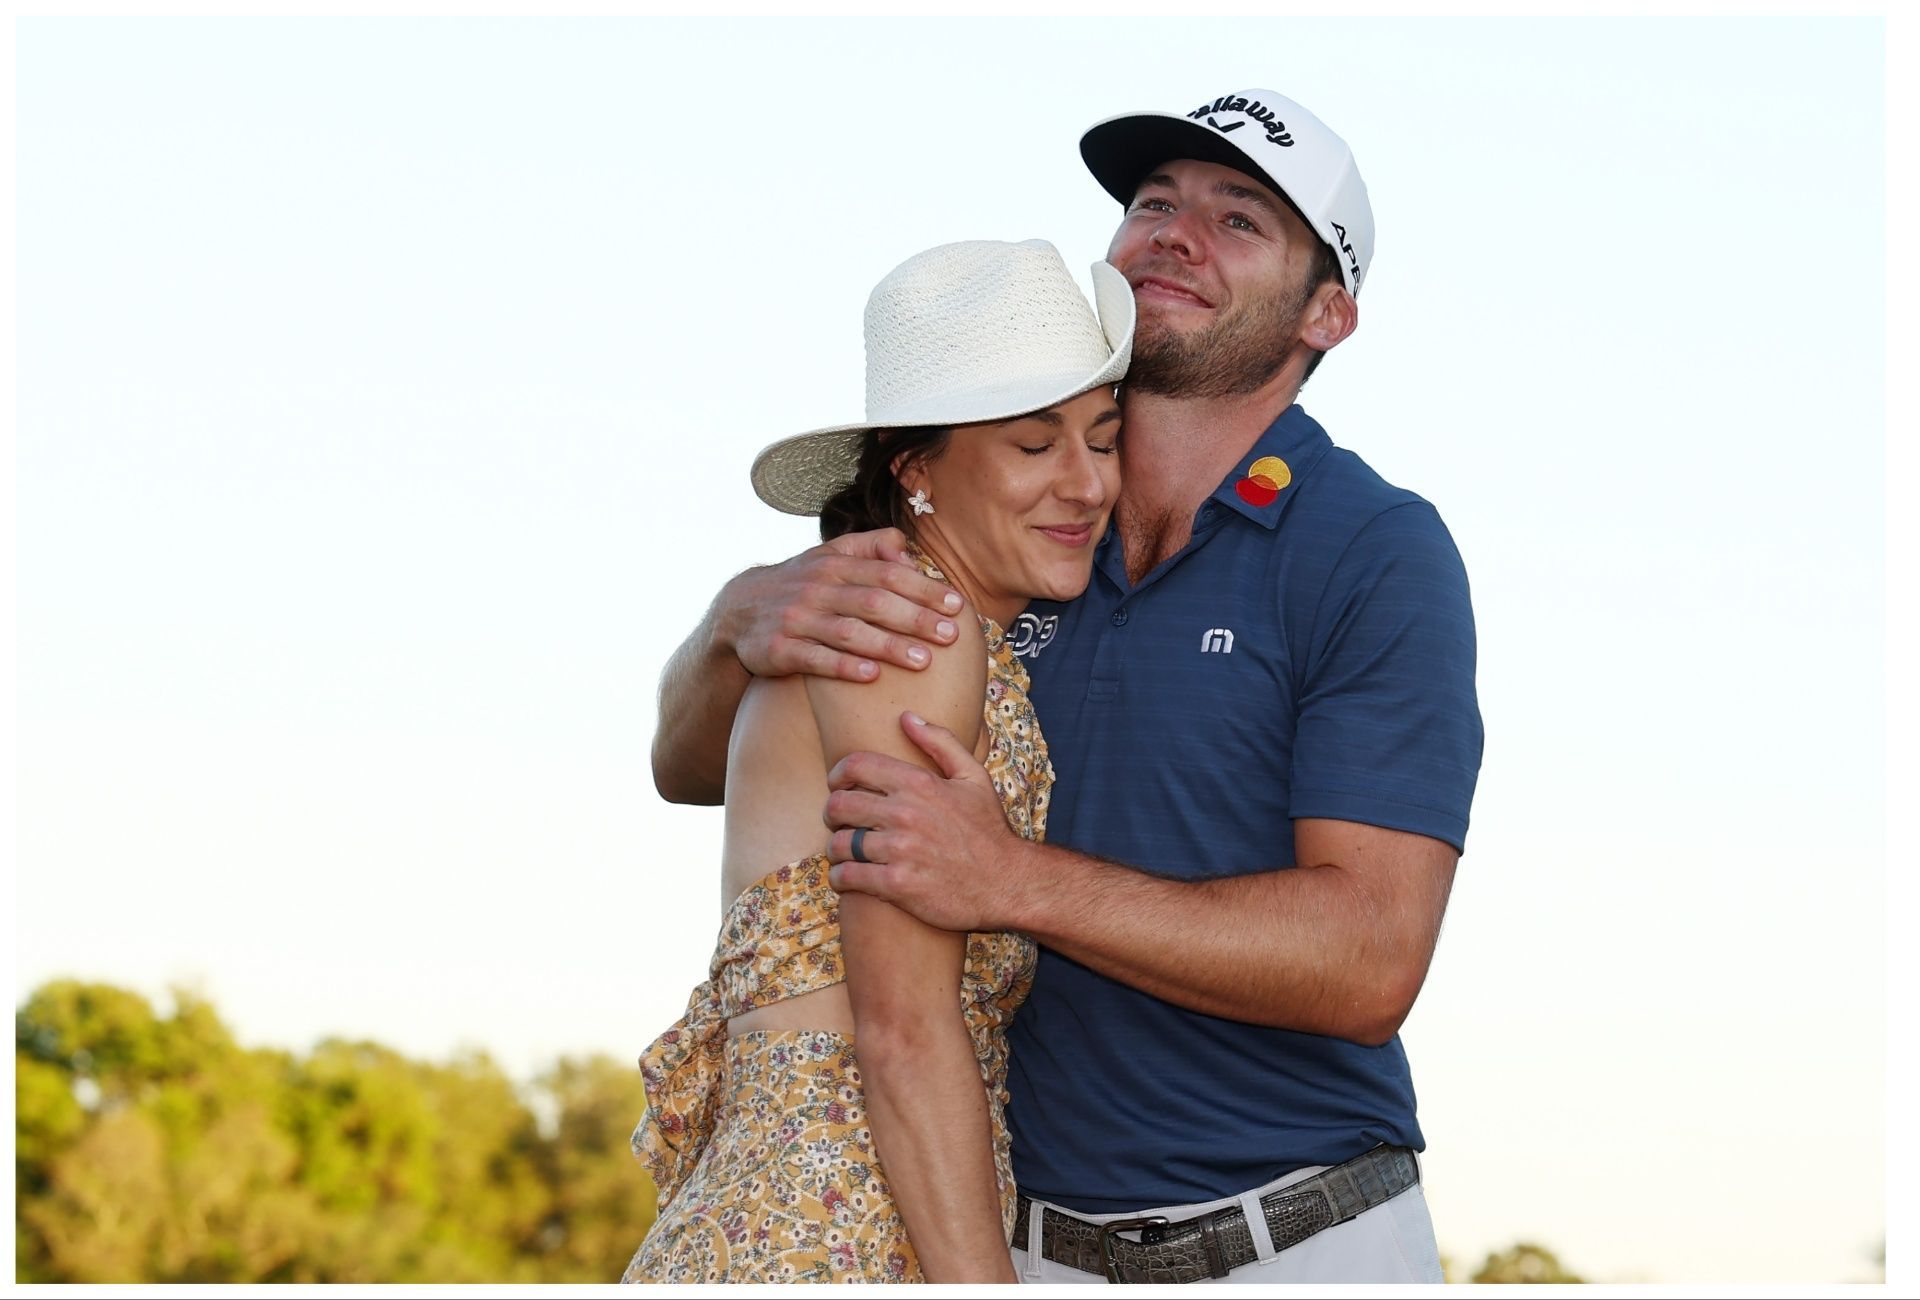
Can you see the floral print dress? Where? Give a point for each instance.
(759, 1144)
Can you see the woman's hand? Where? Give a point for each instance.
(838, 610)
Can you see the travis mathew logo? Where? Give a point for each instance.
(1276, 129)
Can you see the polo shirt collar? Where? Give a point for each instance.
(1295, 439)
(1269, 475)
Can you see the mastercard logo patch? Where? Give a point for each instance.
(1265, 477)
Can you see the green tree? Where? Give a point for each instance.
(603, 1200)
(155, 1149)
(1524, 1262)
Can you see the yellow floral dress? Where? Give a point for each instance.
(759, 1144)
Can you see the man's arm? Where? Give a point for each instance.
(1338, 945)
(838, 610)
(700, 690)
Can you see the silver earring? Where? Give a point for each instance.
(920, 504)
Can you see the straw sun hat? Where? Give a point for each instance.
(961, 334)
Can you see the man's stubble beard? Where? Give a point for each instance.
(1233, 356)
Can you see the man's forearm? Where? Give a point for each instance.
(1313, 948)
(1338, 945)
(700, 691)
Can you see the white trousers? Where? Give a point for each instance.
(1392, 1242)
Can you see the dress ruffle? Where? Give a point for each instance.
(682, 1069)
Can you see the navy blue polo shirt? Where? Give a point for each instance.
(1309, 653)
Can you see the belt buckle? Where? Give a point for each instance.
(1109, 1264)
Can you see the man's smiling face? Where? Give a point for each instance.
(1219, 266)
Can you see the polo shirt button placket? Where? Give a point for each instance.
(1103, 679)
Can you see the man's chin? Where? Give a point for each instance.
(1169, 376)
(1174, 328)
(1160, 353)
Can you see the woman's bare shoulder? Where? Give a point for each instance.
(948, 692)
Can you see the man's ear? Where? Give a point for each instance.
(1331, 315)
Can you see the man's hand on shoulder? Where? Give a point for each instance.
(837, 610)
(937, 845)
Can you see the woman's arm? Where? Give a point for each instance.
(926, 1101)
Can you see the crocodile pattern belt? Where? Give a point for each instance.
(1213, 1244)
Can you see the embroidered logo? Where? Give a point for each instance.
(1030, 634)
(1265, 477)
(1277, 132)
(1218, 641)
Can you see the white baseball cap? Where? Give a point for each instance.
(1259, 132)
(965, 333)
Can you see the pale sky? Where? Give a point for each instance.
(386, 391)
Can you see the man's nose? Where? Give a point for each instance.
(1177, 235)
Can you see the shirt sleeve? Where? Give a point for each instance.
(1389, 725)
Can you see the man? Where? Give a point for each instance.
(1263, 723)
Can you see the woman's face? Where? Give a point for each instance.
(1018, 505)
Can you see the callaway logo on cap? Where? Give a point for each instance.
(1261, 133)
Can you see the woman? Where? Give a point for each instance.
(991, 439)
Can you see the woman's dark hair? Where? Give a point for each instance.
(874, 499)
